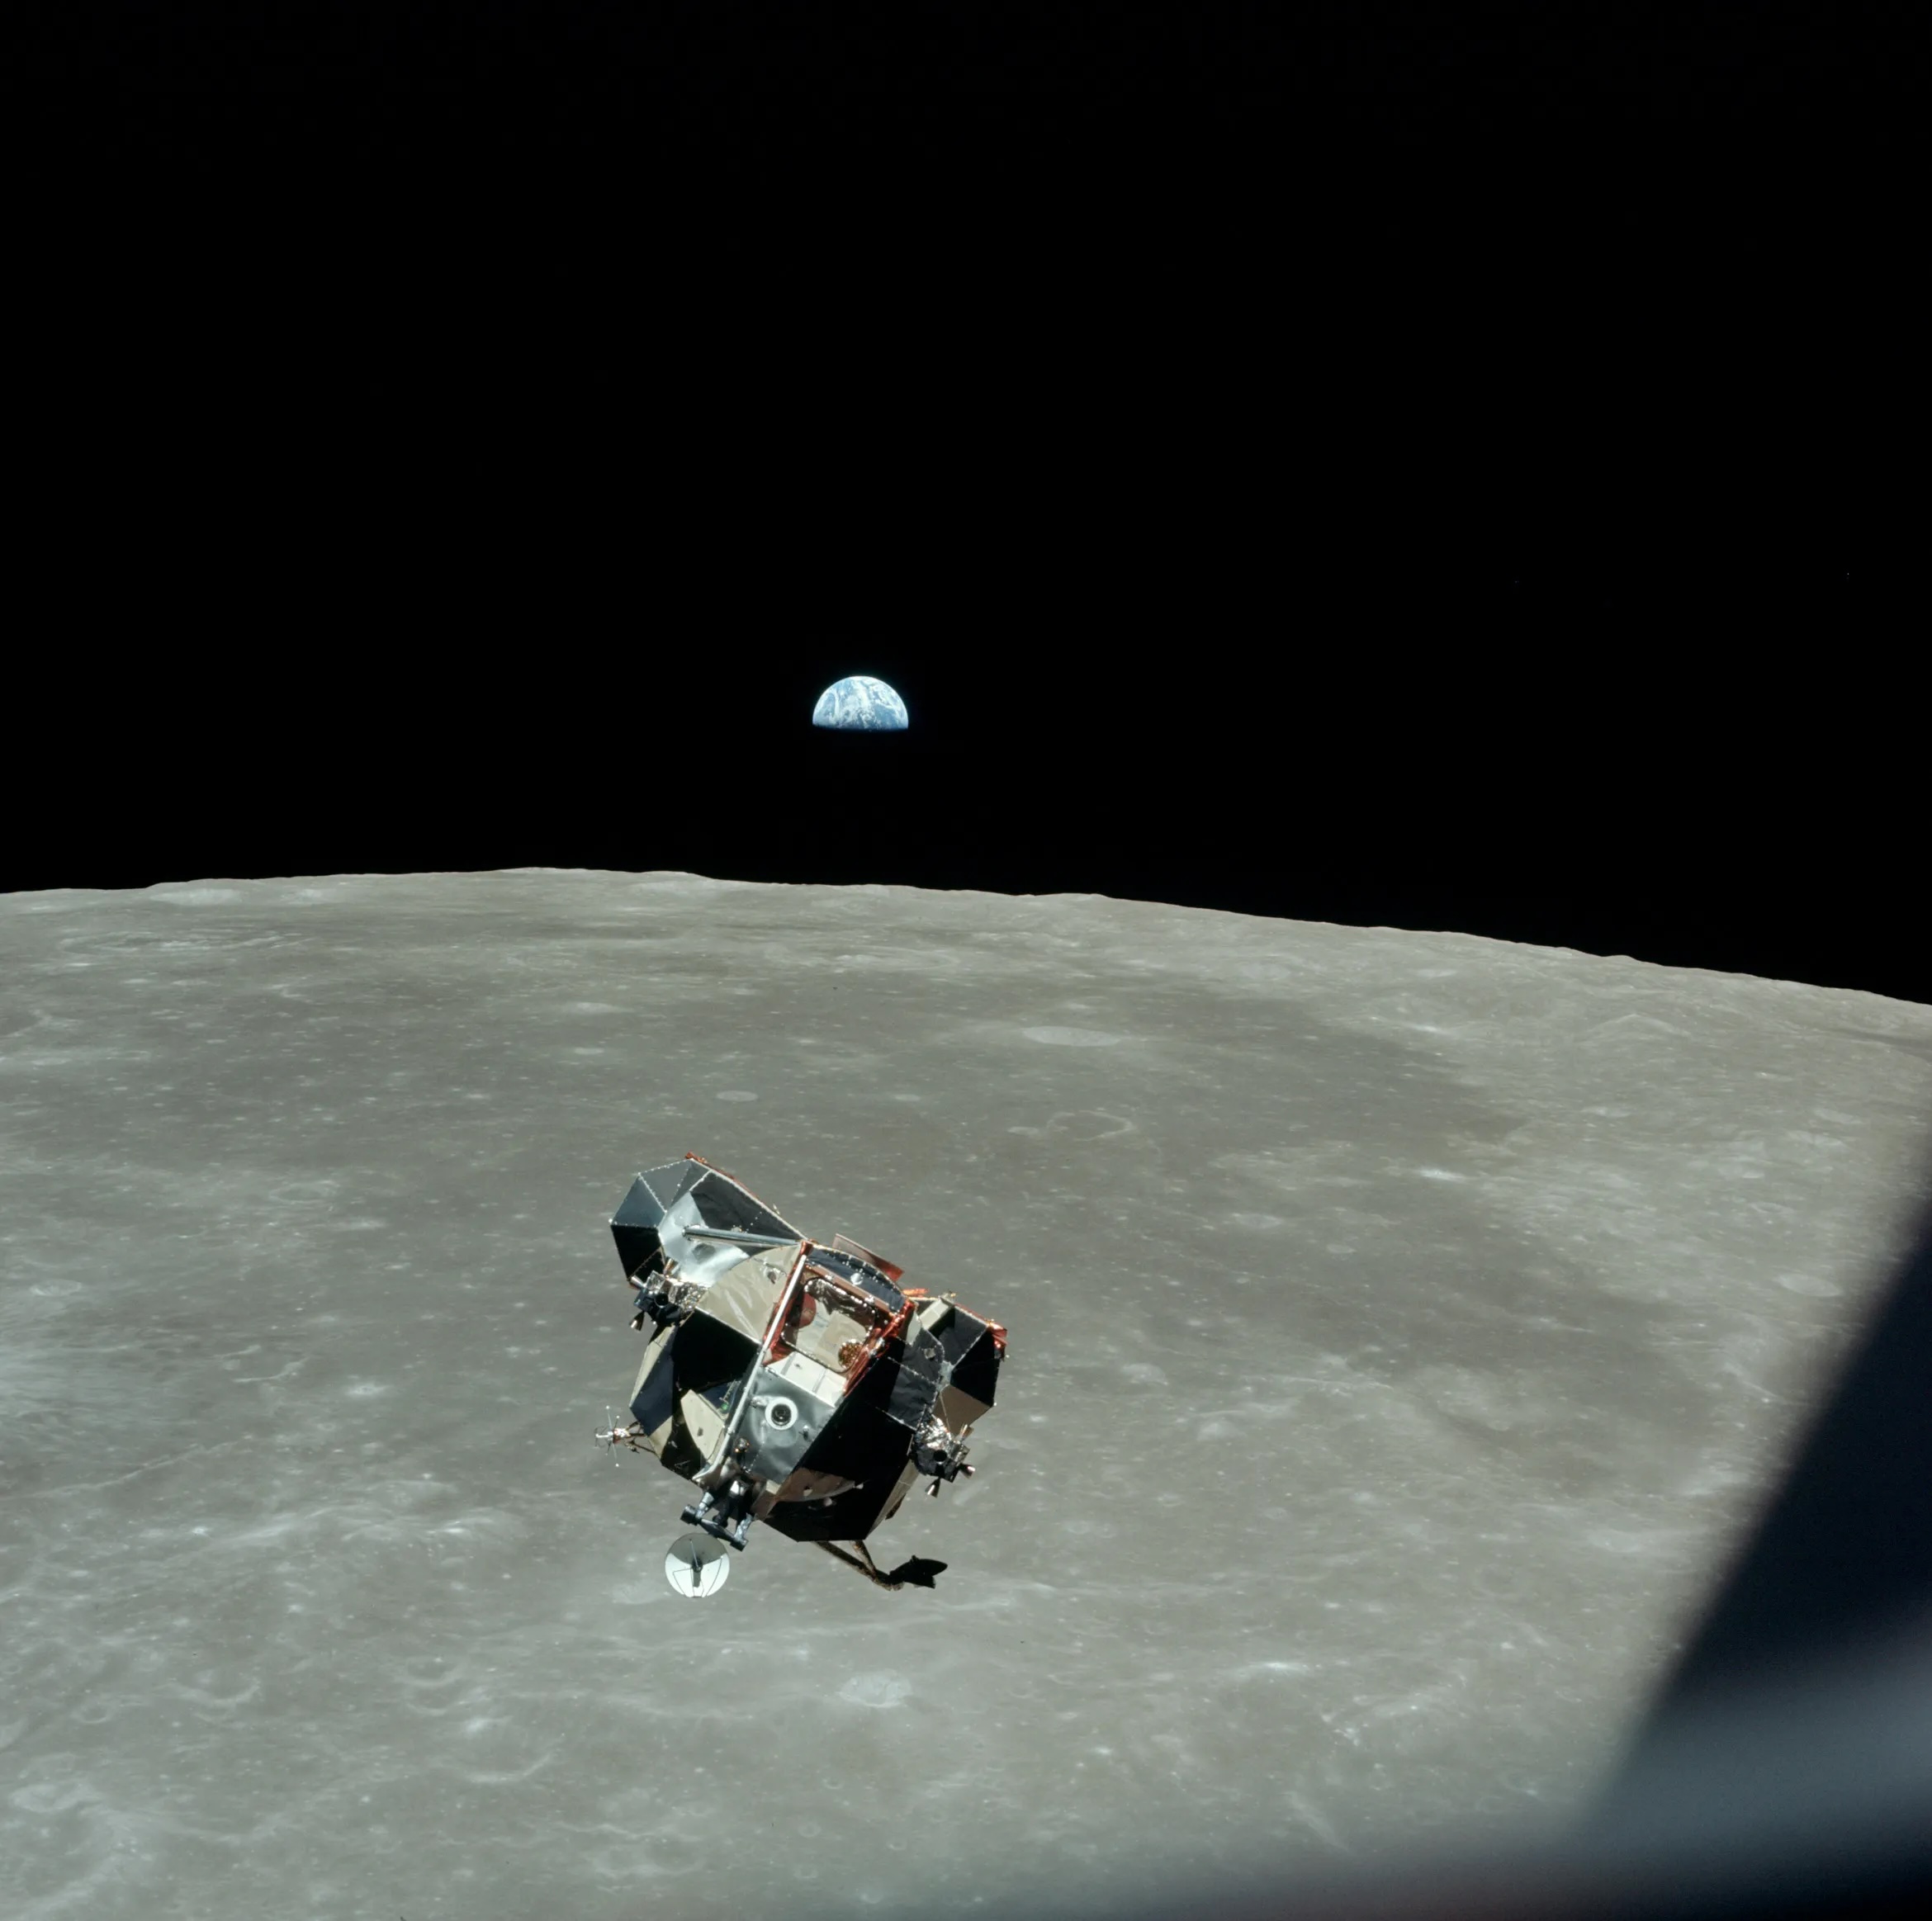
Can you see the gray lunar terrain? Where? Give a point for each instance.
(1404, 1327)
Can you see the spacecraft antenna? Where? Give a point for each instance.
(697, 1566)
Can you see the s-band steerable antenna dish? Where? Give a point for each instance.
(697, 1566)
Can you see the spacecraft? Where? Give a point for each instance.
(793, 1382)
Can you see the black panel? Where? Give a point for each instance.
(850, 1516)
(958, 1334)
(722, 1203)
(634, 1227)
(676, 1179)
(681, 1454)
(637, 1248)
(979, 1369)
(710, 1353)
(655, 1399)
(916, 1380)
(861, 1441)
(641, 1206)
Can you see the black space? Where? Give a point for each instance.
(1446, 467)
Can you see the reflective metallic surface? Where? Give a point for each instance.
(793, 1382)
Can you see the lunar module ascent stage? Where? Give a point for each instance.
(792, 1382)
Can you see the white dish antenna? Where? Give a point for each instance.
(697, 1566)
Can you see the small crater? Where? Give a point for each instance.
(1811, 1286)
(880, 1691)
(1071, 1037)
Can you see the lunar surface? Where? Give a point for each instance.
(1404, 1327)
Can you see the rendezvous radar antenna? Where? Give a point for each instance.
(697, 1565)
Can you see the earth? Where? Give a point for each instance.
(860, 704)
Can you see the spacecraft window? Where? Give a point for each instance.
(823, 1338)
